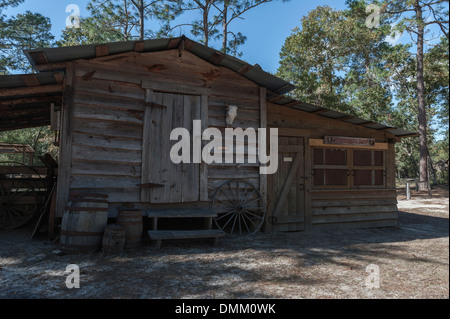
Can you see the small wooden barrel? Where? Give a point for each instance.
(113, 239)
(131, 220)
(84, 222)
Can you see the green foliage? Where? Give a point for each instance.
(312, 58)
(339, 63)
(338, 71)
(87, 34)
(4, 58)
(417, 17)
(118, 20)
(9, 3)
(437, 83)
(230, 10)
(214, 21)
(21, 32)
(39, 138)
(24, 32)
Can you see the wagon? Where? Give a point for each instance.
(24, 187)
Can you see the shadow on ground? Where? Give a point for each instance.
(317, 264)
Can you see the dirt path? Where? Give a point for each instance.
(412, 260)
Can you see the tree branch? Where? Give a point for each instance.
(438, 21)
(239, 13)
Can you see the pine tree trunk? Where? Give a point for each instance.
(423, 170)
(126, 20)
(225, 27)
(205, 26)
(141, 20)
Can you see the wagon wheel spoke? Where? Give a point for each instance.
(256, 216)
(239, 220)
(241, 200)
(252, 208)
(245, 223)
(227, 196)
(20, 211)
(230, 219)
(234, 222)
(245, 199)
(18, 203)
(17, 193)
(226, 203)
(240, 208)
(225, 215)
(250, 220)
(251, 201)
(234, 200)
(237, 192)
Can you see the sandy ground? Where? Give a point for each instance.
(411, 261)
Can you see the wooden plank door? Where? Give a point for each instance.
(178, 182)
(288, 186)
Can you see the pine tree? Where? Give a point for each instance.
(415, 16)
(22, 32)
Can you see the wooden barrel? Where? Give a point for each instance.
(131, 220)
(113, 239)
(84, 222)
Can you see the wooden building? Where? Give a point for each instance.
(115, 105)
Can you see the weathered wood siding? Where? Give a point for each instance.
(248, 117)
(180, 180)
(353, 208)
(107, 133)
(332, 207)
(106, 114)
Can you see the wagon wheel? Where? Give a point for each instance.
(19, 201)
(240, 208)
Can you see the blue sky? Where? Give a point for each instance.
(266, 27)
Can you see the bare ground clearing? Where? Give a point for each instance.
(413, 260)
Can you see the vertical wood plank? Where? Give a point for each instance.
(190, 172)
(301, 193)
(155, 153)
(263, 124)
(146, 136)
(65, 156)
(187, 170)
(196, 115)
(390, 166)
(203, 166)
(163, 153)
(287, 184)
(53, 118)
(307, 180)
(350, 160)
(175, 170)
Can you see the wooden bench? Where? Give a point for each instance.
(207, 233)
(159, 235)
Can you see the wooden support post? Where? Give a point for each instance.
(145, 174)
(307, 180)
(263, 124)
(408, 191)
(203, 166)
(63, 184)
(208, 222)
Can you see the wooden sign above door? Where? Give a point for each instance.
(351, 141)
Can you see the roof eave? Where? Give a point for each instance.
(50, 59)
